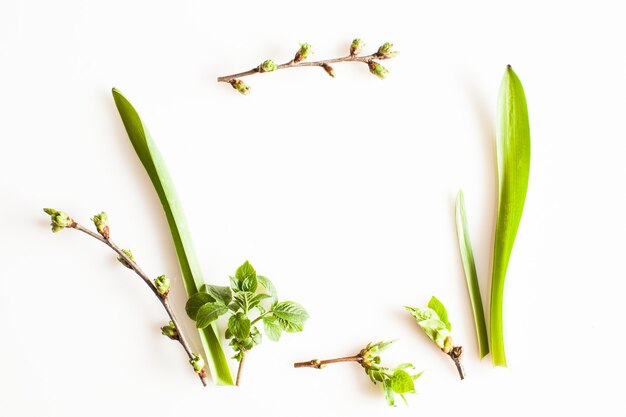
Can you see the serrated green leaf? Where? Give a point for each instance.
(239, 326)
(438, 307)
(272, 328)
(291, 316)
(195, 302)
(246, 277)
(436, 330)
(402, 382)
(513, 154)
(267, 284)
(219, 293)
(208, 313)
(192, 278)
(467, 257)
(248, 300)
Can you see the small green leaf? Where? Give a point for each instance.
(436, 330)
(380, 346)
(195, 302)
(265, 282)
(246, 277)
(221, 294)
(248, 300)
(239, 326)
(389, 397)
(402, 382)
(405, 366)
(272, 328)
(234, 284)
(438, 307)
(421, 314)
(208, 313)
(291, 316)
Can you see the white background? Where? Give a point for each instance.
(340, 190)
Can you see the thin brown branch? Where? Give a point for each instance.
(293, 64)
(318, 364)
(162, 298)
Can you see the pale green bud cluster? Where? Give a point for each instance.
(197, 363)
(59, 219)
(130, 256)
(356, 47)
(240, 86)
(303, 53)
(267, 66)
(170, 331)
(377, 69)
(101, 221)
(162, 284)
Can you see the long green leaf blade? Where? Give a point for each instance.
(513, 151)
(467, 257)
(192, 277)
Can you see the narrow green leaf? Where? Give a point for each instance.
(208, 313)
(272, 328)
(467, 257)
(195, 302)
(239, 326)
(389, 397)
(438, 307)
(513, 154)
(192, 278)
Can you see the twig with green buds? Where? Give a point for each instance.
(394, 380)
(434, 321)
(384, 52)
(160, 286)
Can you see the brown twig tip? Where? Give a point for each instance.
(455, 355)
(384, 52)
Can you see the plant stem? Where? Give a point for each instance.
(318, 364)
(260, 317)
(455, 355)
(292, 64)
(239, 369)
(162, 298)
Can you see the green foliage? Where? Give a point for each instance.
(513, 154)
(239, 301)
(156, 169)
(434, 321)
(394, 380)
(467, 257)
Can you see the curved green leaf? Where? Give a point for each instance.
(192, 278)
(513, 151)
(467, 257)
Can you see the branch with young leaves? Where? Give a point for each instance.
(160, 286)
(240, 300)
(434, 321)
(298, 61)
(394, 380)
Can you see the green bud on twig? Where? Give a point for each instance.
(377, 69)
(303, 52)
(356, 46)
(102, 224)
(130, 256)
(59, 219)
(385, 52)
(240, 86)
(329, 70)
(170, 331)
(267, 66)
(197, 363)
(162, 284)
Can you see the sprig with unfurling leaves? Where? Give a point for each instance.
(240, 300)
(384, 52)
(160, 286)
(394, 380)
(434, 321)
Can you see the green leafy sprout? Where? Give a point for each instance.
(434, 321)
(395, 381)
(248, 293)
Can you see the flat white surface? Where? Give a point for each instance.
(340, 190)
